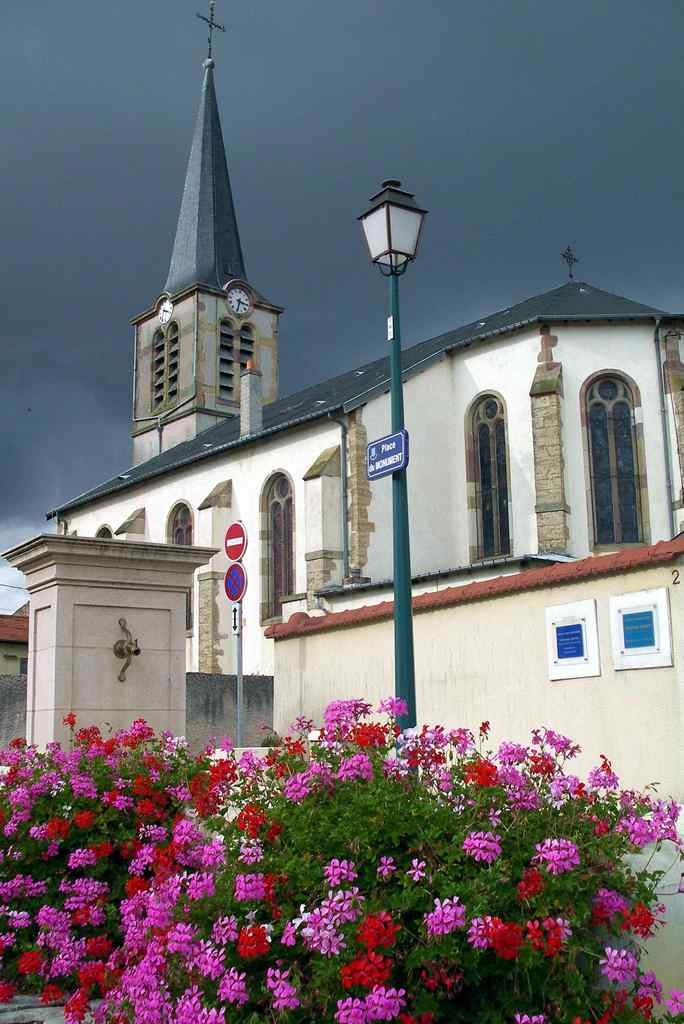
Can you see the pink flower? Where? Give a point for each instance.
(448, 915)
(384, 1003)
(396, 707)
(483, 846)
(619, 965)
(338, 871)
(417, 869)
(351, 1011)
(675, 1002)
(249, 887)
(526, 1018)
(233, 988)
(296, 788)
(358, 766)
(81, 859)
(557, 855)
(284, 993)
(289, 936)
(386, 867)
(224, 930)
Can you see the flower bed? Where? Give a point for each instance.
(82, 829)
(368, 876)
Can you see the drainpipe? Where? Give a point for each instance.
(342, 423)
(665, 428)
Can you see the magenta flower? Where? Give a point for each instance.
(557, 855)
(527, 1018)
(233, 987)
(417, 869)
(447, 916)
(675, 1002)
(386, 867)
(483, 846)
(619, 965)
(351, 1011)
(338, 871)
(249, 887)
(393, 706)
(81, 859)
(283, 991)
(224, 930)
(384, 1003)
(357, 767)
(296, 788)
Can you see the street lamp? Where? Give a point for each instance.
(392, 226)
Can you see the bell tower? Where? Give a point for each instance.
(209, 320)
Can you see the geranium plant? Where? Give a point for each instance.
(80, 829)
(421, 877)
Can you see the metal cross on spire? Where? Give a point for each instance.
(211, 23)
(570, 258)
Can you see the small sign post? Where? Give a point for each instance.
(235, 586)
(387, 455)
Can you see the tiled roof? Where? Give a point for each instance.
(575, 301)
(14, 629)
(302, 624)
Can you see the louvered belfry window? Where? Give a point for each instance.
(165, 358)
(613, 462)
(491, 478)
(180, 527)
(226, 361)
(246, 345)
(279, 506)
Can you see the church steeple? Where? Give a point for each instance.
(207, 249)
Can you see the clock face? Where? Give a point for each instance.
(239, 301)
(165, 311)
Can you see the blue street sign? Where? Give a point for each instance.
(387, 455)
(570, 641)
(638, 630)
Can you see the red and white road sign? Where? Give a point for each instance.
(235, 541)
(235, 582)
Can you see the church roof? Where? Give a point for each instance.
(207, 248)
(574, 301)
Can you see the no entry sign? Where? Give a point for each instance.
(235, 582)
(235, 541)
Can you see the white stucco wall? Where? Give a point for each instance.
(249, 468)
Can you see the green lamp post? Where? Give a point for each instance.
(392, 227)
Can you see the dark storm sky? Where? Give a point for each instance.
(522, 125)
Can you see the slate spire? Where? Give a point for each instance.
(207, 248)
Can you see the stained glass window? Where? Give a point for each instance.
(180, 530)
(613, 462)
(280, 542)
(491, 478)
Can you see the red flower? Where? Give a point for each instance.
(135, 885)
(250, 819)
(481, 772)
(377, 930)
(367, 970)
(542, 764)
(92, 974)
(30, 962)
(69, 720)
(506, 939)
(7, 990)
(370, 734)
(84, 819)
(101, 849)
(99, 946)
(76, 1007)
(51, 994)
(252, 941)
(644, 1005)
(640, 920)
(531, 884)
(57, 828)
(273, 831)
(484, 728)
(422, 1018)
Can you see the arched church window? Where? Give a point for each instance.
(246, 345)
(180, 525)
(491, 477)
(280, 541)
(104, 533)
(613, 461)
(165, 349)
(226, 360)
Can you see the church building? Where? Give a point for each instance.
(560, 419)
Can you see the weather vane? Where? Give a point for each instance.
(570, 258)
(211, 23)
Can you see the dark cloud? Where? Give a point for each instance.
(521, 126)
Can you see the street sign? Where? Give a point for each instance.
(235, 541)
(387, 455)
(235, 582)
(236, 619)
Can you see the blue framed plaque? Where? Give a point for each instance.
(570, 641)
(638, 630)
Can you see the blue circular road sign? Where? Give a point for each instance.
(235, 582)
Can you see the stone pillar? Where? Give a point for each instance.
(85, 595)
(323, 525)
(546, 396)
(360, 495)
(673, 376)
